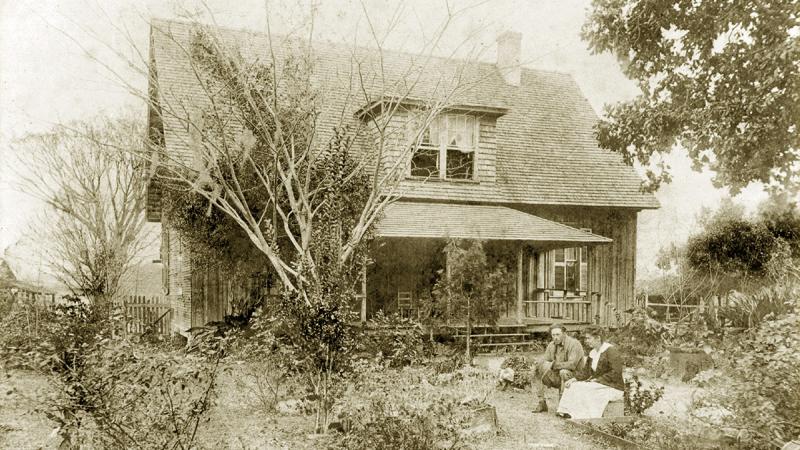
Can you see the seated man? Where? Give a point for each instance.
(562, 359)
(603, 374)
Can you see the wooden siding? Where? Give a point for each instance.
(210, 296)
(612, 267)
(179, 281)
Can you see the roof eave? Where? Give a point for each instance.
(376, 107)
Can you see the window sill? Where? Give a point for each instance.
(439, 180)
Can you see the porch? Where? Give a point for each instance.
(552, 280)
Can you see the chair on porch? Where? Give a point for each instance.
(405, 304)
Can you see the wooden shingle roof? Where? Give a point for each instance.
(546, 151)
(483, 222)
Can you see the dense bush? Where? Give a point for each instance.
(387, 423)
(52, 337)
(749, 310)
(522, 370)
(123, 396)
(396, 408)
(398, 340)
(110, 393)
(641, 336)
(756, 392)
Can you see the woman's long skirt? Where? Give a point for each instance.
(587, 399)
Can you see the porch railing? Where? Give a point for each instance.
(575, 308)
(572, 310)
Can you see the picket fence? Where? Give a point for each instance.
(143, 313)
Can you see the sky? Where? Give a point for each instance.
(64, 60)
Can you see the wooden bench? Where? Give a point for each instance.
(615, 409)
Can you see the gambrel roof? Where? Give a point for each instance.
(546, 153)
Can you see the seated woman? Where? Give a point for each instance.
(587, 395)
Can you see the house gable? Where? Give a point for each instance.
(540, 151)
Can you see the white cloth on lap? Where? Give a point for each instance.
(587, 399)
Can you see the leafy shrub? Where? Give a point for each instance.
(268, 361)
(126, 396)
(693, 332)
(666, 433)
(641, 336)
(399, 340)
(6, 302)
(757, 388)
(747, 311)
(395, 408)
(110, 393)
(639, 398)
(389, 423)
(52, 337)
(449, 363)
(522, 370)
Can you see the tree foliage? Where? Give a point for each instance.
(473, 290)
(721, 79)
(734, 246)
(744, 247)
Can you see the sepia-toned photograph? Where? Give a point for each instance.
(400, 224)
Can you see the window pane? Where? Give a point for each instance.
(559, 255)
(469, 133)
(570, 254)
(435, 131)
(559, 278)
(460, 164)
(425, 163)
(572, 276)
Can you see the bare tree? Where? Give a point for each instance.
(90, 177)
(302, 159)
(259, 130)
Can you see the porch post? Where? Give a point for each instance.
(592, 288)
(520, 285)
(363, 292)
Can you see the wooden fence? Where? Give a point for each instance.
(673, 311)
(143, 313)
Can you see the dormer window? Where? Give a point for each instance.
(450, 142)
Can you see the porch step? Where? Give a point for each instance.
(491, 335)
(506, 344)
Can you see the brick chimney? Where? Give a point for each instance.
(509, 45)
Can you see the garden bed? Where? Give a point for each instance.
(599, 429)
(633, 432)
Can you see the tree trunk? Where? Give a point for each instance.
(469, 332)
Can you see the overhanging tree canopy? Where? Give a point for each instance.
(720, 78)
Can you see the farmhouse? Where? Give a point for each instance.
(512, 161)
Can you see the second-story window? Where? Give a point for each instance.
(447, 148)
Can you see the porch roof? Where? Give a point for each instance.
(484, 222)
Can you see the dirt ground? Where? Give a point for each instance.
(238, 421)
(522, 428)
(21, 427)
